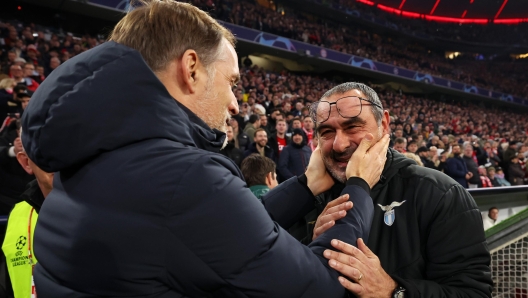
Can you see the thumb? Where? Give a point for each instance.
(365, 144)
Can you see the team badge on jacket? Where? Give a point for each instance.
(389, 216)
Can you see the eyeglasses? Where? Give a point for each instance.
(347, 107)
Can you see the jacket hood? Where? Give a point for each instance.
(395, 161)
(101, 100)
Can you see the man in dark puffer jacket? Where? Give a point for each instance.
(143, 204)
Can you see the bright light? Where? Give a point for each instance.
(452, 55)
(520, 56)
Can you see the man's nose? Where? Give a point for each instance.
(341, 141)
(233, 107)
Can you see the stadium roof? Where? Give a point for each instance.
(457, 11)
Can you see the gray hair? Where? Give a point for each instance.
(344, 88)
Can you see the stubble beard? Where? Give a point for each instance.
(209, 112)
(339, 173)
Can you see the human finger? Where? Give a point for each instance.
(343, 206)
(350, 272)
(336, 202)
(323, 228)
(355, 288)
(349, 250)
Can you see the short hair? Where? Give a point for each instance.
(412, 142)
(162, 31)
(295, 119)
(281, 120)
(254, 118)
(492, 209)
(7, 83)
(399, 141)
(258, 130)
(344, 88)
(255, 168)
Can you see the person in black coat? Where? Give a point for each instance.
(456, 167)
(516, 172)
(240, 138)
(294, 158)
(230, 150)
(13, 178)
(473, 181)
(423, 153)
(143, 196)
(260, 146)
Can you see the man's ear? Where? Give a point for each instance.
(188, 70)
(385, 122)
(23, 160)
(269, 179)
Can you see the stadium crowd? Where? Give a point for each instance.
(273, 132)
(275, 121)
(364, 43)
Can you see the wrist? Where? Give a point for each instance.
(312, 184)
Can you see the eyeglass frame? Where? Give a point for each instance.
(335, 103)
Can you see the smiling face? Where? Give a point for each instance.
(339, 137)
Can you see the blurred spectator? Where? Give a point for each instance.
(241, 139)
(510, 152)
(500, 177)
(516, 174)
(456, 167)
(13, 178)
(414, 157)
(296, 123)
(484, 180)
(278, 141)
(259, 173)
(491, 219)
(308, 129)
(492, 158)
(230, 149)
(412, 147)
(423, 153)
(294, 157)
(6, 96)
(252, 125)
(440, 163)
(264, 123)
(479, 153)
(17, 73)
(11, 56)
(54, 63)
(400, 145)
(472, 167)
(260, 146)
(491, 176)
(32, 55)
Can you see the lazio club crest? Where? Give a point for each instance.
(389, 217)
